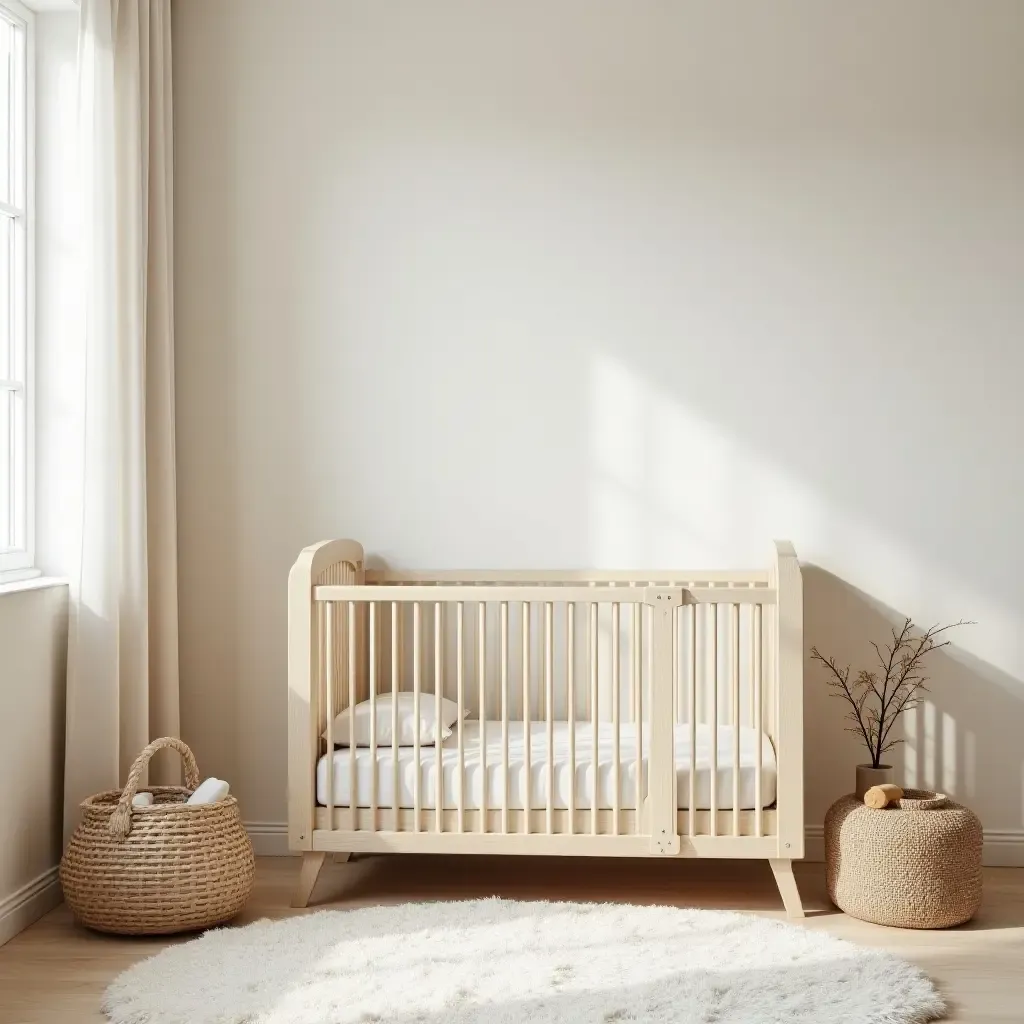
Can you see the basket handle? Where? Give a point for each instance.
(121, 819)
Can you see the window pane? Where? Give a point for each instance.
(7, 540)
(13, 295)
(19, 451)
(6, 103)
(6, 296)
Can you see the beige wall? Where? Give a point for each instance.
(33, 651)
(33, 623)
(640, 284)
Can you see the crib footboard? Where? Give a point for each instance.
(609, 714)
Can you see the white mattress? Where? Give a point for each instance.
(750, 750)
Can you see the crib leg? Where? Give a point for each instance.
(312, 862)
(783, 871)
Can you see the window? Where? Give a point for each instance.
(16, 248)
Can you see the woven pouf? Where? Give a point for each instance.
(916, 864)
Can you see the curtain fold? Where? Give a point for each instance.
(123, 633)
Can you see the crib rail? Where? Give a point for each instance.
(412, 593)
(581, 701)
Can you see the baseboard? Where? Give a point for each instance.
(28, 904)
(814, 842)
(1001, 849)
(269, 838)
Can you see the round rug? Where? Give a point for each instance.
(504, 962)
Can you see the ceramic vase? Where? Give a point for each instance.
(868, 776)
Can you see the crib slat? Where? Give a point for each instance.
(594, 700)
(677, 674)
(616, 696)
(651, 675)
(504, 717)
(734, 633)
(353, 765)
(438, 688)
(549, 704)
(396, 624)
(692, 826)
(320, 678)
(380, 645)
(328, 624)
(636, 685)
(401, 640)
(460, 672)
(481, 670)
(769, 669)
(527, 773)
(713, 819)
(570, 687)
(750, 664)
(374, 678)
(758, 727)
(417, 668)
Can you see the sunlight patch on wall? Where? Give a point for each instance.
(670, 487)
(970, 761)
(910, 751)
(949, 753)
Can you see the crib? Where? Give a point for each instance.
(610, 714)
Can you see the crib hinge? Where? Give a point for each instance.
(663, 841)
(667, 843)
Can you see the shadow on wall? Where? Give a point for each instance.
(963, 740)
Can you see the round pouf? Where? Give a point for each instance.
(913, 865)
(503, 962)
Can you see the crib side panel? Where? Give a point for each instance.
(532, 665)
(545, 661)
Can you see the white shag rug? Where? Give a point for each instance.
(504, 962)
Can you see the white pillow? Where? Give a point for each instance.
(406, 721)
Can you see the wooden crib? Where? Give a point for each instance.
(631, 714)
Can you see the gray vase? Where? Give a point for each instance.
(867, 776)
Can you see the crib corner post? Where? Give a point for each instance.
(663, 602)
(788, 672)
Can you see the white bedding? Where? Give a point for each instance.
(750, 750)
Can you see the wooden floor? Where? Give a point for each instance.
(56, 972)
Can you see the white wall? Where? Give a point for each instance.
(533, 284)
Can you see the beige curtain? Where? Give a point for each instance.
(123, 639)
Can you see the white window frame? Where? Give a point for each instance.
(18, 561)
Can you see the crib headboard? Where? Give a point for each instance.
(333, 561)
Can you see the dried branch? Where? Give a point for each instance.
(877, 700)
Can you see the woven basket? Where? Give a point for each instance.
(913, 865)
(170, 867)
